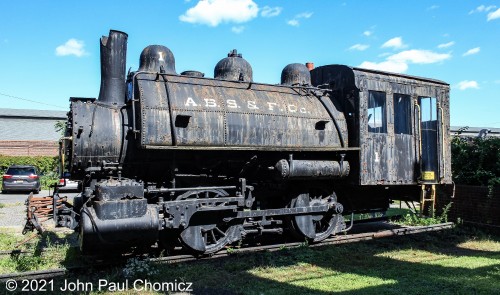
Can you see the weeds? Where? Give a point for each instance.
(137, 268)
(416, 220)
(42, 253)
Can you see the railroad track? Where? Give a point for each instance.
(369, 220)
(340, 239)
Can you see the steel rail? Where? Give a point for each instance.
(340, 239)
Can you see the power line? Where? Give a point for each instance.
(33, 101)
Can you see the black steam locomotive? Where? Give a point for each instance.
(166, 157)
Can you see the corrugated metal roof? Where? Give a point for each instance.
(49, 114)
(466, 131)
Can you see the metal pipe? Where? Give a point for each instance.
(352, 223)
(62, 156)
(328, 108)
(239, 82)
(174, 136)
(443, 152)
(201, 188)
(419, 124)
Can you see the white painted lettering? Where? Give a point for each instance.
(190, 102)
(292, 108)
(271, 105)
(210, 103)
(231, 103)
(252, 105)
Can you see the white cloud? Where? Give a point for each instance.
(466, 84)
(417, 56)
(384, 54)
(395, 43)
(268, 11)
(399, 62)
(472, 51)
(388, 66)
(71, 47)
(367, 33)
(359, 47)
(238, 29)
(482, 8)
(295, 21)
(304, 15)
(433, 7)
(497, 81)
(494, 15)
(214, 12)
(446, 45)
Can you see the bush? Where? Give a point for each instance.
(476, 161)
(46, 166)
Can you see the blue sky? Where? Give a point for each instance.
(49, 50)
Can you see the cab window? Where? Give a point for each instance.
(402, 114)
(428, 109)
(377, 122)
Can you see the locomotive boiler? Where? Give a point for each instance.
(182, 159)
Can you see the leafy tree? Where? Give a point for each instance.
(60, 127)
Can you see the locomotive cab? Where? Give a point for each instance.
(401, 125)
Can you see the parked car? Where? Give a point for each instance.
(21, 178)
(67, 185)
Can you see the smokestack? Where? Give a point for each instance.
(310, 66)
(113, 62)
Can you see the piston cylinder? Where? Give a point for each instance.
(101, 234)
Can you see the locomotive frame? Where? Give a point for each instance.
(204, 162)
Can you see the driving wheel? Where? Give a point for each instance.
(318, 226)
(212, 236)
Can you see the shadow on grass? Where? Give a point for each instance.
(361, 268)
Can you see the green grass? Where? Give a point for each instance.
(56, 251)
(456, 261)
(8, 205)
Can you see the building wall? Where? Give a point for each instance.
(29, 148)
